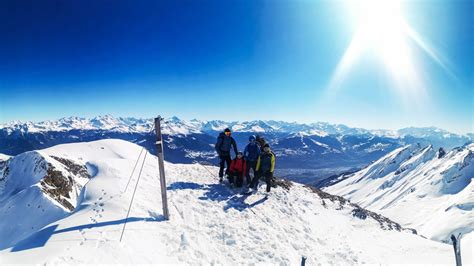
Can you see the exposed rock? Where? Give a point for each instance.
(467, 159)
(58, 187)
(4, 170)
(325, 195)
(441, 153)
(286, 184)
(5, 173)
(72, 167)
(360, 212)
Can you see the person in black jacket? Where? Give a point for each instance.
(223, 146)
(265, 168)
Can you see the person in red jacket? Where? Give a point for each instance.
(238, 167)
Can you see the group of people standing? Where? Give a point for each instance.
(257, 156)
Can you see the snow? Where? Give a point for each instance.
(377, 147)
(106, 122)
(317, 132)
(21, 193)
(238, 127)
(257, 129)
(133, 125)
(210, 223)
(415, 187)
(4, 157)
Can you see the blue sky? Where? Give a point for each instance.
(231, 60)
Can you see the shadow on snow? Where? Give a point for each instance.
(219, 192)
(40, 238)
(213, 192)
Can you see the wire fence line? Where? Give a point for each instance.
(133, 197)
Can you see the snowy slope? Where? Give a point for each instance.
(209, 222)
(426, 189)
(41, 187)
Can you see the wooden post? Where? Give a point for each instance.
(457, 248)
(303, 261)
(159, 152)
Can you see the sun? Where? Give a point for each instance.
(382, 30)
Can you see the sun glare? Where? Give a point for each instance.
(381, 30)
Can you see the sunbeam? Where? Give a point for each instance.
(383, 31)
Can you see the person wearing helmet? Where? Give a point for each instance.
(237, 170)
(251, 153)
(265, 167)
(223, 146)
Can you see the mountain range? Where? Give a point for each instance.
(305, 152)
(429, 189)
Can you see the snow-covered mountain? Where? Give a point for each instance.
(133, 125)
(180, 126)
(40, 187)
(306, 152)
(210, 223)
(4, 157)
(428, 189)
(106, 122)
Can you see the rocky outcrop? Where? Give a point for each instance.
(441, 153)
(72, 167)
(286, 184)
(58, 187)
(360, 212)
(62, 186)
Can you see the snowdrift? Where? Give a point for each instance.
(210, 223)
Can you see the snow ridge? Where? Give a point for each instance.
(422, 188)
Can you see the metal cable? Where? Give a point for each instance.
(133, 196)
(133, 171)
(136, 163)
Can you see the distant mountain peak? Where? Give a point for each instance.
(135, 125)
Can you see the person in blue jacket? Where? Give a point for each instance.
(223, 146)
(251, 154)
